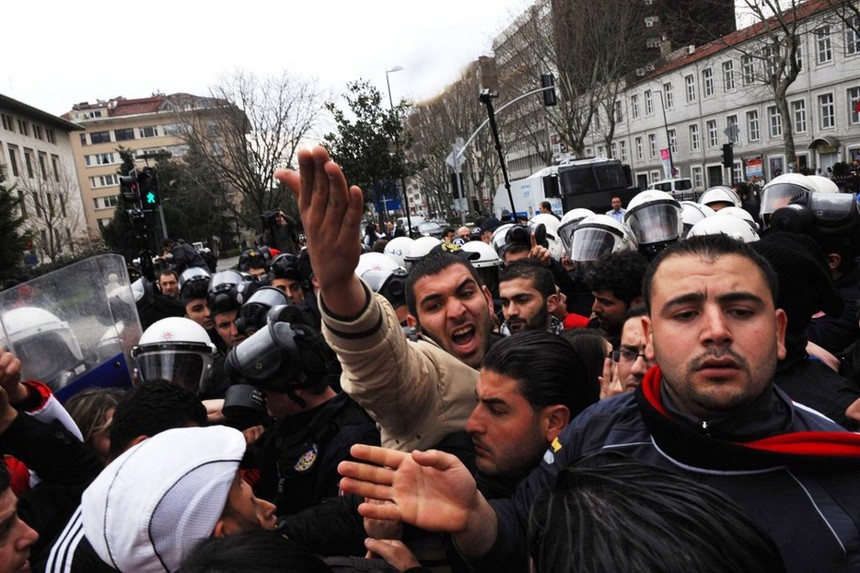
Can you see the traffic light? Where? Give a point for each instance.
(548, 81)
(129, 187)
(728, 155)
(150, 195)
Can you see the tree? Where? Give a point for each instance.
(12, 238)
(589, 47)
(436, 124)
(249, 128)
(364, 143)
(54, 211)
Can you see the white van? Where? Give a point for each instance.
(680, 189)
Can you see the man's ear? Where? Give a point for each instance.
(489, 296)
(219, 530)
(411, 321)
(554, 419)
(834, 260)
(552, 302)
(649, 337)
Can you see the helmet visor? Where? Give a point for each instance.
(833, 208)
(591, 243)
(655, 223)
(187, 368)
(781, 195)
(46, 357)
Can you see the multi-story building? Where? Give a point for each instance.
(693, 104)
(147, 127)
(38, 160)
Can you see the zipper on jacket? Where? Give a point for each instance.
(705, 428)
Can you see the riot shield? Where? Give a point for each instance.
(75, 327)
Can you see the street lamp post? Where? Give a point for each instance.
(397, 146)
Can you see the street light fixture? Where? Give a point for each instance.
(397, 145)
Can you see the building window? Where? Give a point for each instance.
(7, 122)
(713, 137)
(619, 117)
(767, 58)
(852, 37)
(729, 75)
(708, 80)
(669, 94)
(638, 148)
(28, 161)
(824, 51)
(22, 204)
(23, 127)
(826, 111)
(104, 181)
(144, 132)
(37, 131)
(698, 179)
(694, 137)
(52, 138)
(752, 125)
(854, 106)
(55, 165)
(42, 169)
(747, 70)
(37, 205)
(634, 106)
(673, 141)
(99, 159)
(622, 147)
(799, 110)
(176, 129)
(13, 160)
(732, 121)
(613, 153)
(124, 134)
(652, 145)
(600, 151)
(774, 121)
(690, 82)
(106, 202)
(649, 103)
(83, 139)
(99, 137)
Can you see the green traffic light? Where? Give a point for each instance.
(150, 198)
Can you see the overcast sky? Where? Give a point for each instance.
(60, 52)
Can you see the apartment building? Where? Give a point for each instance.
(145, 126)
(715, 94)
(38, 159)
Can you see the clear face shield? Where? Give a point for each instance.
(781, 195)
(655, 223)
(269, 359)
(592, 243)
(47, 357)
(188, 364)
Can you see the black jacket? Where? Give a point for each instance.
(298, 455)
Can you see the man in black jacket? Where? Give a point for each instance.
(709, 410)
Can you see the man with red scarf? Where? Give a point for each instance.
(709, 410)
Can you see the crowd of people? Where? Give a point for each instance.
(666, 386)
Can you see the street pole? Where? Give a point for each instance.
(397, 146)
(668, 141)
(486, 98)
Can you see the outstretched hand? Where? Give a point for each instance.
(331, 213)
(539, 253)
(431, 490)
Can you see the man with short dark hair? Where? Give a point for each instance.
(529, 298)
(17, 537)
(616, 284)
(631, 362)
(168, 283)
(418, 392)
(617, 211)
(709, 410)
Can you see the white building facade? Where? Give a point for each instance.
(715, 90)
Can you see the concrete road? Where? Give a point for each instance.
(227, 264)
